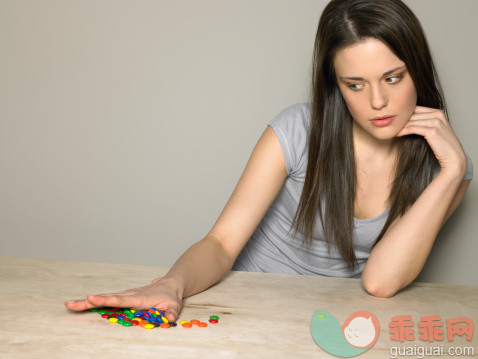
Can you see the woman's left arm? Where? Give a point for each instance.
(404, 248)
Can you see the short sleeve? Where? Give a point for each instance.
(291, 127)
(469, 168)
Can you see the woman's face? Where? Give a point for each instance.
(378, 92)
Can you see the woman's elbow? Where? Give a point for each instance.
(378, 290)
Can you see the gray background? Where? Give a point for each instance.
(125, 125)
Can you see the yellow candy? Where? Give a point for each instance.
(132, 310)
(183, 321)
(149, 326)
(164, 320)
(113, 320)
(137, 319)
(157, 312)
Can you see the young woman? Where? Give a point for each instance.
(365, 174)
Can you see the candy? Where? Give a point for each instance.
(143, 323)
(148, 319)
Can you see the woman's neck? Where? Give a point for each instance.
(369, 149)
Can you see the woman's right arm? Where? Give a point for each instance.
(207, 261)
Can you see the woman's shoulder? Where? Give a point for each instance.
(291, 126)
(293, 114)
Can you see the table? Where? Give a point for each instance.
(262, 315)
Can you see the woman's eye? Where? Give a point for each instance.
(355, 87)
(352, 86)
(395, 77)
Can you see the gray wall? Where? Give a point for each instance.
(125, 125)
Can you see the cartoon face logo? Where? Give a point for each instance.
(360, 332)
(357, 335)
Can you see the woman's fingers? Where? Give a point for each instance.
(119, 301)
(424, 109)
(93, 301)
(75, 305)
(172, 311)
(162, 296)
(79, 305)
(425, 131)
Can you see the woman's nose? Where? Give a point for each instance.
(378, 98)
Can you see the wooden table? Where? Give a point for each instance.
(261, 315)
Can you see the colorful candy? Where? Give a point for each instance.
(148, 319)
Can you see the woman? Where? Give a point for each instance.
(380, 188)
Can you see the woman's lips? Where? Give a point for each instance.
(383, 122)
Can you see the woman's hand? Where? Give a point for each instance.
(162, 293)
(432, 124)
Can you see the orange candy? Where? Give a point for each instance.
(164, 325)
(202, 324)
(187, 325)
(143, 323)
(194, 321)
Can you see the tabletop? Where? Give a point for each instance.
(264, 315)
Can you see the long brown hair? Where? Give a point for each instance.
(331, 175)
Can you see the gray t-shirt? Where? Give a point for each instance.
(270, 248)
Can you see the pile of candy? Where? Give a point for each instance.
(147, 319)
